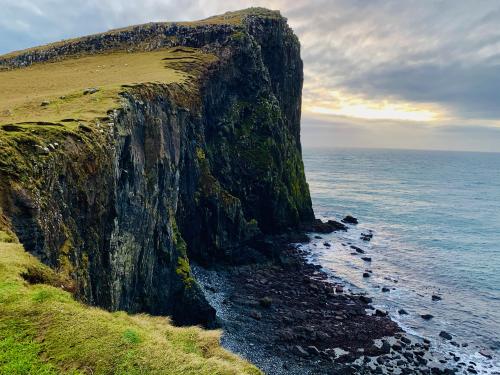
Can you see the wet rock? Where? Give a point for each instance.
(485, 353)
(327, 244)
(265, 302)
(365, 299)
(358, 250)
(299, 350)
(256, 315)
(397, 347)
(385, 289)
(319, 226)
(379, 312)
(427, 316)
(350, 220)
(436, 298)
(406, 340)
(366, 274)
(366, 259)
(313, 350)
(386, 347)
(366, 236)
(402, 312)
(445, 335)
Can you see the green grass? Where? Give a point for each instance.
(43, 330)
(62, 83)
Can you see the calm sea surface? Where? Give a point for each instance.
(435, 217)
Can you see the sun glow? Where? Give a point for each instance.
(339, 104)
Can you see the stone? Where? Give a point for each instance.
(365, 299)
(366, 274)
(265, 302)
(427, 316)
(350, 220)
(402, 312)
(436, 298)
(366, 259)
(256, 315)
(486, 353)
(358, 250)
(90, 90)
(299, 350)
(44, 103)
(385, 289)
(445, 335)
(313, 350)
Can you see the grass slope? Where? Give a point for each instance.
(62, 84)
(44, 331)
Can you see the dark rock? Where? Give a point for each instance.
(366, 236)
(366, 259)
(405, 340)
(313, 350)
(327, 244)
(427, 316)
(436, 298)
(299, 350)
(486, 353)
(45, 103)
(386, 347)
(365, 299)
(445, 335)
(323, 227)
(350, 220)
(265, 302)
(379, 312)
(366, 274)
(396, 347)
(402, 312)
(256, 315)
(358, 250)
(385, 289)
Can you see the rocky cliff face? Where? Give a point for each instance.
(177, 172)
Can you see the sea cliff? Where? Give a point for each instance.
(142, 148)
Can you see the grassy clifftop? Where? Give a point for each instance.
(43, 330)
(55, 91)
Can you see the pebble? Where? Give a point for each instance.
(445, 335)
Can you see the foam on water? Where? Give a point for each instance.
(436, 223)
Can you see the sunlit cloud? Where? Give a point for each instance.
(336, 103)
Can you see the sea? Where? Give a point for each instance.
(435, 220)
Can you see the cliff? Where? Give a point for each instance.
(127, 153)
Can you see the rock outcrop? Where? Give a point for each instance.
(197, 170)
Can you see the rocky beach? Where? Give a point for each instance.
(288, 316)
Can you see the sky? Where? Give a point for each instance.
(417, 74)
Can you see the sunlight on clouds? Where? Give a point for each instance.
(341, 104)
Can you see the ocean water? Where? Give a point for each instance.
(435, 217)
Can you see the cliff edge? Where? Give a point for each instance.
(127, 153)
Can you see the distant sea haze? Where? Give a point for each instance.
(435, 216)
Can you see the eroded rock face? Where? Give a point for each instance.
(123, 208)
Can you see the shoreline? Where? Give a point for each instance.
(289, 317)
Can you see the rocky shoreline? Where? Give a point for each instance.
(288, 317)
